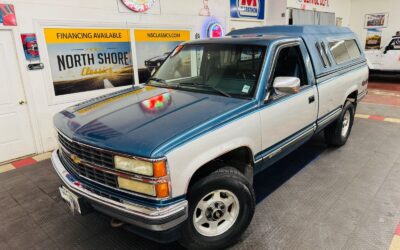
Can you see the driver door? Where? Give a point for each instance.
(391, 56)
(287, 120)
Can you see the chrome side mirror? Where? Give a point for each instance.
(286, 85)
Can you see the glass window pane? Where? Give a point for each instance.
(353, 49)
(233, 69)
(339, 51)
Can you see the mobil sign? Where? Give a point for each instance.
(253, 9)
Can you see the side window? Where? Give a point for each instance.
(394, 44)
(289, 62)
(344, 50)
(339, 51)
(322, 53)
(326, 53)
(353, 49)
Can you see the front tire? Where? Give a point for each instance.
(338, 132)
(221, 206)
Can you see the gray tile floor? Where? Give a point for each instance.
(346, 198)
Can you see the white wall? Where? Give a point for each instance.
(273, 12)
(341, 8)
(33, 15)
(359, 8)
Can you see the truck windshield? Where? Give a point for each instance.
(222, 69)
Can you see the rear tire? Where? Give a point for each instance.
(221, 206)
(337, 133)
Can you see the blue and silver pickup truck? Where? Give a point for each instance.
(175, 158)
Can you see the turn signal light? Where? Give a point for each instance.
(159, 169)
(162, 190)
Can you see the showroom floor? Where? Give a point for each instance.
(317, 198)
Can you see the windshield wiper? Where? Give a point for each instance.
(158, 80)
(203, 85)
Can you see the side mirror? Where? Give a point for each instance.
(286, 85)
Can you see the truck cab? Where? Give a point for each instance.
(387, 58)
(174, 159)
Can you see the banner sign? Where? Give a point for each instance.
(253, 9)
(89, 59)
(153, 47)
(324, 3)
(315, 5)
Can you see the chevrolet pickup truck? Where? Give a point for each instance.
(174, 158)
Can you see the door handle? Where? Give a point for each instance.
(311, 99)
(21, 102)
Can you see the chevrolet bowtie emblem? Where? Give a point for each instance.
(75, 159)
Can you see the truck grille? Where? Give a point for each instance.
(86, 153)
(88, 172)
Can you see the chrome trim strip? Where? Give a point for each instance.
(128, 207)
(362, 94)
(292, 141)
(288, 142)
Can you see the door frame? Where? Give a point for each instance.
(27, 89)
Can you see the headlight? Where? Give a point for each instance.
(160, 190)
(133, 165)
(137, 186)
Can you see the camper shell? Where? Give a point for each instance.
(317, 40)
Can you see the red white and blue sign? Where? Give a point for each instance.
(253, 9)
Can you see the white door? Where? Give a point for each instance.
(286, 115)
(391, 56)
(16, 138)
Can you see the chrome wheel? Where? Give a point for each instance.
(216, 213)
(346, 123)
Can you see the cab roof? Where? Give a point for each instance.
(247, 39)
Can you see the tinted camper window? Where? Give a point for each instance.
(344, 50)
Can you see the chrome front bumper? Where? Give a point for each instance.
(154, 219)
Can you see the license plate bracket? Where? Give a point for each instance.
(74, 202)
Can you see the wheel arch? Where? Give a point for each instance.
(240, 158)
(351, 95)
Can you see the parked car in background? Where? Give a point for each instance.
(155, 62)
(174, 159)
(385, 59)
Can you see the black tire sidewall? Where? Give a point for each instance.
(245, 195)
(334, 132)
(347, 107)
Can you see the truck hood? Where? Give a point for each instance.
(138, 120)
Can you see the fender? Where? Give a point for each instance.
(351, 89)
(185, 160)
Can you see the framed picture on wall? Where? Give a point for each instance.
(377, 20)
